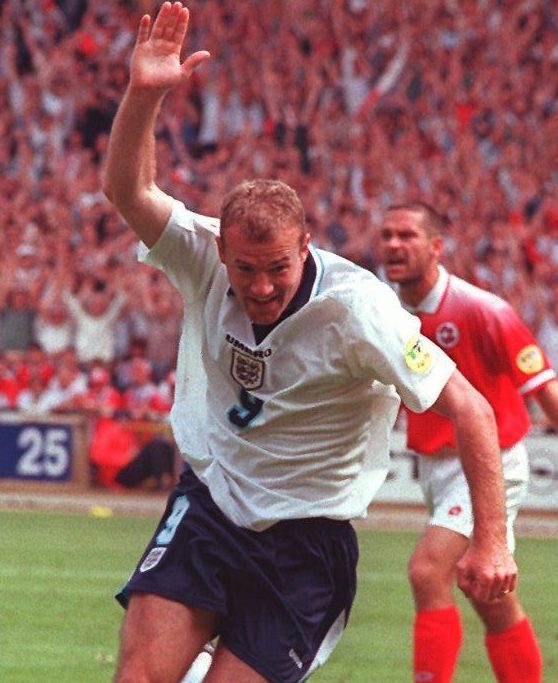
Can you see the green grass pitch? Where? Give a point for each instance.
(59, 622)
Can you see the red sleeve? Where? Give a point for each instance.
(517, 350)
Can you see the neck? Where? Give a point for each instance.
(412, 292)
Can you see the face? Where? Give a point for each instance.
(264, 276)
(409, 255)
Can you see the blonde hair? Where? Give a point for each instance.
(262, 209)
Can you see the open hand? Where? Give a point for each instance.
(156, 57)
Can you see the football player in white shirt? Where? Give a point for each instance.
(291, 368)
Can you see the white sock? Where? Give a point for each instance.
(196, 673)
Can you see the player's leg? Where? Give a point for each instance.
(160, 639)
(227, 666)
(432, 567)
(175, 593)
(510, 640)
(437, 630)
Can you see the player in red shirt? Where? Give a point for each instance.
(499, 355)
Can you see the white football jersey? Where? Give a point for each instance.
(297, 425)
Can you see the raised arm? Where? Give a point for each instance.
(487, 569)
(131, 169)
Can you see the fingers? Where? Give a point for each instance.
(171, 23)
(143, 30)
(194, 60)
(484, 591)
(485, 585)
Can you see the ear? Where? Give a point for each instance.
(304, 246)
(437, 243)
(220, 248)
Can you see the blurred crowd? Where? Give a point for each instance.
(356, 104)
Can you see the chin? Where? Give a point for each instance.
(264, 320)
(395, 274)
(259, 317)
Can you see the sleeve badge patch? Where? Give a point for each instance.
(530, 359)
(417, 357)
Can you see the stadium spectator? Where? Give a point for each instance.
(9, 386)
(30, 399)
(53, 327)
(122, 454)
(498, 354)
(137, 348)
(142, 399)
(95, 311)
(34, 361)
(101, 398)
(111, 443)
(68, 382)
(30, 273)
(263, 350)
(17, 317)
(459, 102)
(159, 323)
(54, 331)
(153, 466)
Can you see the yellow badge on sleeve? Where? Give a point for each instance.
(417, 357)
(530, 359)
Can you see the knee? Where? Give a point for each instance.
(421, 571)
(126, 676)
(137, 672)
(131, 669)
(500, 615)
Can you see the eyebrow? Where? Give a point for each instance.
(278, 262)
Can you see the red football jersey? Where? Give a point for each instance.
(495, 351)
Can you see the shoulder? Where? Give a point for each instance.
(471, 296)
(183, 230)
(365, 307)
(182, 219)
(343, 279)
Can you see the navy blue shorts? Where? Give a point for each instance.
(282, 595)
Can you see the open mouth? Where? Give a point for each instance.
(395, 268)
(395, 262)
(265, 303)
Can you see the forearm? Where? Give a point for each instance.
(131, 169)
(481, 460)
(131, 165)
(155, 68)
(547, 398)
(477, 440)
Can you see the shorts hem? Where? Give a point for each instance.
(248, 659)
(123, 597)
(447, 525)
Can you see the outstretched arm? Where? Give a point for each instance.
(487, 569)
(156, 67)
